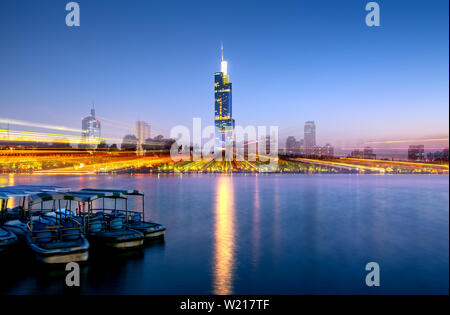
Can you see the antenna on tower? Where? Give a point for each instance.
(221, 49)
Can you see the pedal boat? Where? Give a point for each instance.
(52, 240)
(102, 225)
(135, 219)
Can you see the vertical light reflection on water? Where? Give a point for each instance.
(136, 204)
(276, 219)
(12, 202)
(224, 236)
(255, 224)
(11, 180)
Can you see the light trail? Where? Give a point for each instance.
(37, 125)
(403, 141)
(53, 137)
(42, 161)
(411, 164)
(132, 162)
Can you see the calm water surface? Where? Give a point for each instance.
(287, 234)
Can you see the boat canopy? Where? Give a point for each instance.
(44, 196)
(75, 196)
(3, 196)
(84, 196)
(26, 190)
(81, 196)
(119, 192)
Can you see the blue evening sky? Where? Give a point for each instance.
(289, 61)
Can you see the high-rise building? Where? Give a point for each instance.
(291, 145)
(368, 153)
(223, 119)
(416, 152)
(310, 136)
(445, 154)
(90, 131)
(357, 154)
(142, 133)
(294, 147)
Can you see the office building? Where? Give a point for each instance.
(90, 131)
(310, 136)
(223, 118)
(368, 153)
(142, 134)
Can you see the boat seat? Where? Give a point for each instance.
(135, 218)
(116, 223)
(95, 225)
(71, 231)
(42, 233)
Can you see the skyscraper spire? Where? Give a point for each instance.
(223, 63)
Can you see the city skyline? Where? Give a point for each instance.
(399, 95)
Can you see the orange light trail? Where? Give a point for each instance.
(32, 136)
(37, 125)
(403, 141)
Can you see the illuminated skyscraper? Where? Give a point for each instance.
(223, 119)
(90, 131)
(310, 135)
(142, 133)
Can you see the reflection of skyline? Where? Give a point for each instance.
(224, 237)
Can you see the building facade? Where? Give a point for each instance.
(223, 115)
(369, 154)
(291, 145)
(310, 136)
(142, 133)
(416, 152)
(90, 131)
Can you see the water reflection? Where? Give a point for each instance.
(224, 237)
(276, 219)
(255, 225)
(13, 201)
(11, 180)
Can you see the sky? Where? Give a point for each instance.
(289, 62)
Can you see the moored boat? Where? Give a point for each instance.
(52, 240)
(103, 224)
(135, 219)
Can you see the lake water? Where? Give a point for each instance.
(264, 234)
